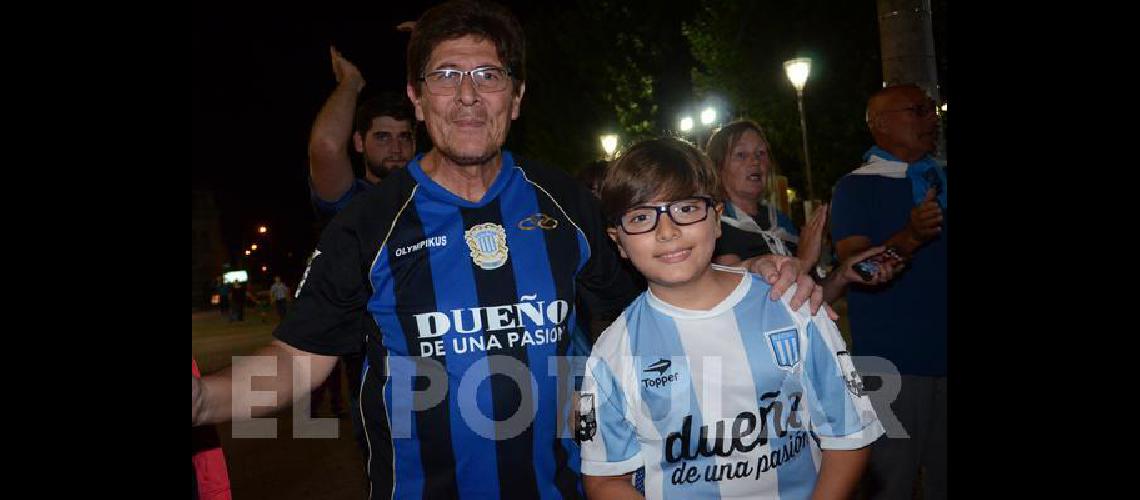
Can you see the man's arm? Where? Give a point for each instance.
(610, 487)
(836, 283)
(925, 223)
(840, 472)
(329, 166)
(213, 396)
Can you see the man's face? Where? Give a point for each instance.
(388, 144)
(671, 255)
(747, 167)
(908, 123)
(467, 126)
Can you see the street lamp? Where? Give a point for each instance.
(253, 247)
(247, 252)
(609, 145)
(708, 116)
(798, 70)
(686, 123)
(262, 229)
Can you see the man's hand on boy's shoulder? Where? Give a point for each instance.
(782, 272)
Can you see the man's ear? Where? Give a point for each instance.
(877, 124)
(358, 142)
(516, 101)
(411, 91)
(613, 233)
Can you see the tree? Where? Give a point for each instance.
(599, 66)
(740, 47)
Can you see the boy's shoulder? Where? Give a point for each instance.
(780, 311)
(614, 340)
(802, 316)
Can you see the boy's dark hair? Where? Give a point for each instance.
(387, 104)
(459, 18)
(667, 168)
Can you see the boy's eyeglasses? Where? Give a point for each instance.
(643, 219)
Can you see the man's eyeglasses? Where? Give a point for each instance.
(918, 110)
(447, 81)
(643, 219)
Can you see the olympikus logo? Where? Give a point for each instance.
(435, 241)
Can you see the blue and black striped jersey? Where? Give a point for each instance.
(467, 308)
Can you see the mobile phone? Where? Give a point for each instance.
(866, 268)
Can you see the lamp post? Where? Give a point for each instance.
(609, 145)
(798, 70)
(708, 116)
(686, 123)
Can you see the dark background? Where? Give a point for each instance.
(259, 76)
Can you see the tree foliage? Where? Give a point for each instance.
(599, 66)
(740, 47)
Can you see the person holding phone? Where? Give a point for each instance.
(897, 199)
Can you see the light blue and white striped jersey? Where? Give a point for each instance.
(733, 402)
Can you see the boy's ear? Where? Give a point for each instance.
(613, 232)
(719, 210)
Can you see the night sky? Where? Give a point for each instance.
(258, 80)
(259, 77)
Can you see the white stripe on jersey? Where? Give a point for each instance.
(722, 395)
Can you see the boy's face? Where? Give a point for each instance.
(671, 255)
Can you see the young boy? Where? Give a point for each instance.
(717, 391)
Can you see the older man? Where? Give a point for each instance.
(898, 199)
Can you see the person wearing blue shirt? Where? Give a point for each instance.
(381, 129)
(897, 198)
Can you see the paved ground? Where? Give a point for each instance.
(283, 467)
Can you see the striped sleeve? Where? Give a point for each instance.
(841, 413)
(604, 428)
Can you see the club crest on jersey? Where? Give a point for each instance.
(488, 244)
(851, 377)
(785, 346)
(538, 220)
(587, 424)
